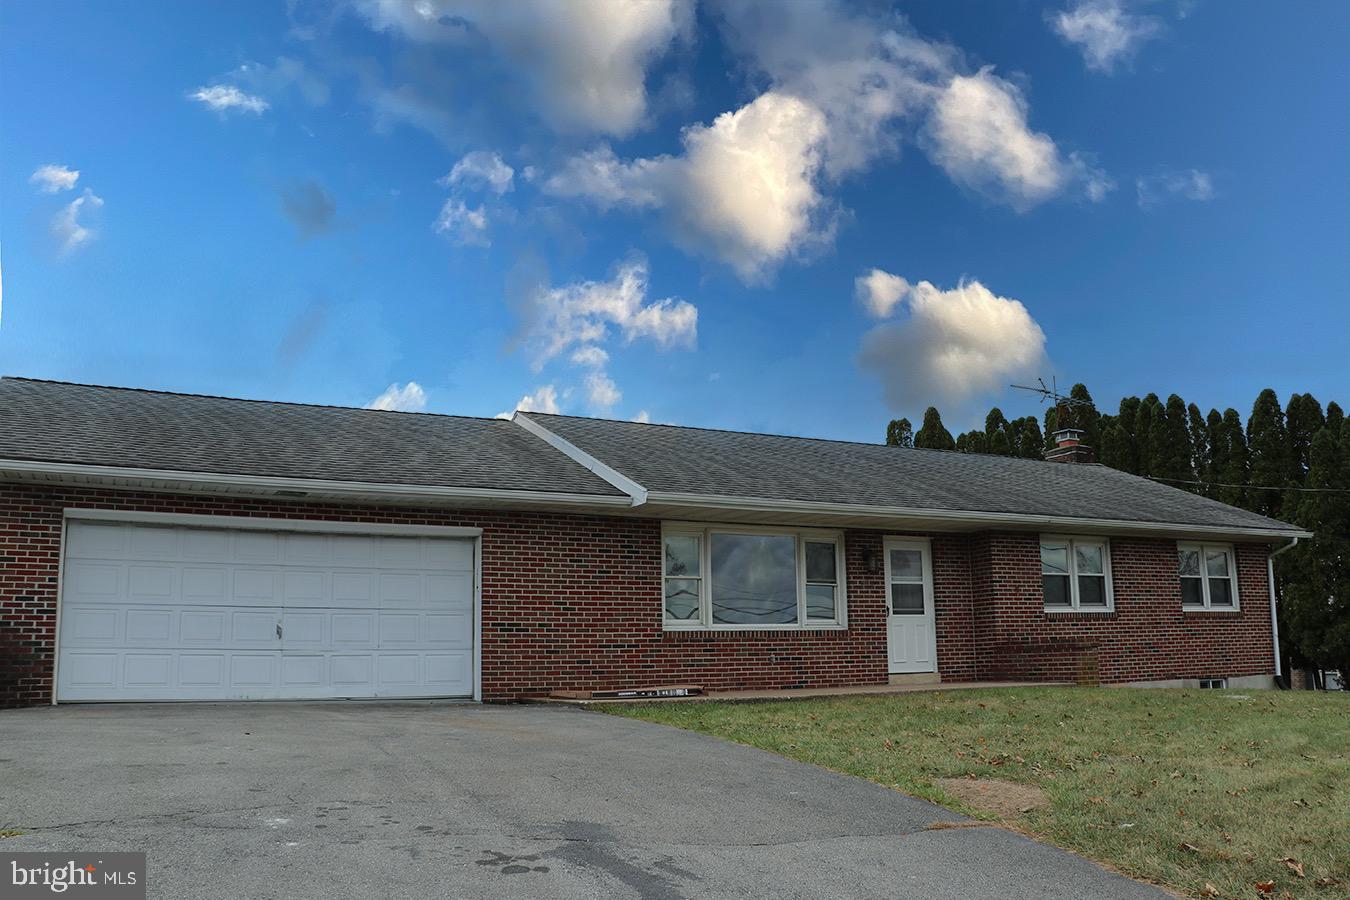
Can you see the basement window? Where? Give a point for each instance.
(1213, 683)
(1208, 576)
(1076, 574)
(730, 578)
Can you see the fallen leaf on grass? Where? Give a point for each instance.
(1265, 887)
(1328, 881)
(1294, 865)
(1209, 890)
(1189, 848)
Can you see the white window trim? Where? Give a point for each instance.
(704, 531)
(1074, 607)
(1205, 576)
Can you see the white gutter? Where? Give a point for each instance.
(637, 492)
(758, 504)
(1274, 621)
(304, 486)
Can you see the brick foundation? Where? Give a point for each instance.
(575, 602)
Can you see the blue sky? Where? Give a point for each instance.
(803, 218)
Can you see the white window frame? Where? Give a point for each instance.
(705, 531)
(1204, 576)
(1069, 540)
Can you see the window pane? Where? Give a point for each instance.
(1054, 559)
(754, 579)
(1220, 592)
(820, 601)
(1056, 590)
(1089, 558)
(682, 599)
(1092, 591)
(906, 599)
(1216, 562)
(1192, 592)
(820, 562)
(682, 554)
(906, 564)
(1189, 562)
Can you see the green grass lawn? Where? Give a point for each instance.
(1184, 788)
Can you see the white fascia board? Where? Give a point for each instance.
(261, 523)
(384, 491)
(1059, 523)
(637, 492)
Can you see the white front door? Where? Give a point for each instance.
(910, 632)
(151, 612)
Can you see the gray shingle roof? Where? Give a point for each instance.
(666, 458)
(73, 423)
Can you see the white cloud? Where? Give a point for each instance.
(462, 224)
(744, 190)
(1191, 184)
(226, 97)
(589, 356)
(585, 62)
(51, 179)
(953, 345)
(880, 291)
(751, 189)
(69, 231)
(643, 416)
(979, 135)
(482, 170)
(543, 400)
(601, 391)
(584, 313)
(1104, 31)
(408, 398)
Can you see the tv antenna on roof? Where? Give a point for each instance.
(1052, 393)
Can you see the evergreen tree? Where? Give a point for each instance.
(1315, 575)
(1029, 443)
(1148, 427)
(1171, 445)
(1304, 419)
(1335, 418)
(972, 442)
(1268, 444)
(1218, 454)
(1085, 416)
(900, 433)
(933, 435)
(1231, 465)
(996, 433)
(1199, 433)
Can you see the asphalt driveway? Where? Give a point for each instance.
(436, 800)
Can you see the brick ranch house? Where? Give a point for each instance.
(158, 546)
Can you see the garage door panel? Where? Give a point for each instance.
(254, 587)
(83, 626)
(180, 613)
(353, 630)
(150, 626)
(90, 582)
(152, 584)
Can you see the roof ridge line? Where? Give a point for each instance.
(633, 489)
(141, 390)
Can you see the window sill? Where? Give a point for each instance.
(1092, 613)
(1212, 610)
(706, 630)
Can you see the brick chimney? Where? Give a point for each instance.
(1069, 447)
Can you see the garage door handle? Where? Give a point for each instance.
(278, 631)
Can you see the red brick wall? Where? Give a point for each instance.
(575, 602)
(1147, 638)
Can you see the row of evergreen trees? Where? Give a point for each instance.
(1290, 463)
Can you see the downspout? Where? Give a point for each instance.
(1274, 622)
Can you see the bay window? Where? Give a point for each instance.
(1076, 574)
(1208, 576)
(728, 577)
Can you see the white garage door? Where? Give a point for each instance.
(184, 613)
